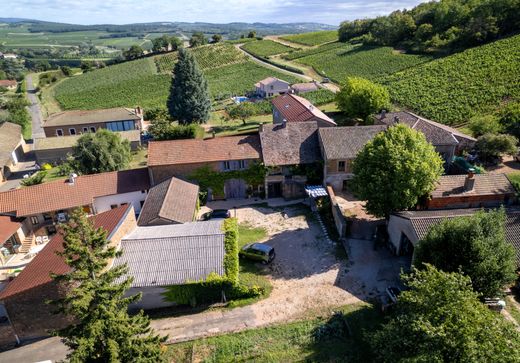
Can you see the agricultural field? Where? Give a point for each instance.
(453, 89)
(146, 81)
(349, 60)
(266, 48)
(313, 38)
(311, 51)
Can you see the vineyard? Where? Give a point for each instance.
(308, 52)
(453, 89)
(319, 97)
(146, 82)
(208, 57)
(355, 60)
(265, 48)
(313, 38)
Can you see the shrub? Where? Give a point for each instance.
(491, 147)
(34, 180)
(166, 130)
(335, 327)
(487, 124)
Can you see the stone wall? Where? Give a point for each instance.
(339, 219)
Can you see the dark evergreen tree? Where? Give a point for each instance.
(102, 330)
(189, 100)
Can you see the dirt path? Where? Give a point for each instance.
(305, 276)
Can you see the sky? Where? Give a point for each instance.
(211, 11)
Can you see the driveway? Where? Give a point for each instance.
(34, 109)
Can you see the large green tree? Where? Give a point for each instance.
(134, 52)
(440, 319)
(102, 330)
(101, 152)
(394, 170)
(491, 147)
(189, 96)
(359, 98)
(474, 245)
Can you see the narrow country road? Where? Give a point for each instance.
(34, 109)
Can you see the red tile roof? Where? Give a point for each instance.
(8, 226)
(8, 83)
(203, 151)
(297, 109)
(60, 194)
(38, 271)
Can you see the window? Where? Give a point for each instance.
(59, 132)
(113, 206)
(72, 131)
(85, 130)
(242, 164)
(121, 125)
(34, 220)
(226, 165)
(341, 165)
(92, 129)
(272, 87)
(47, 217)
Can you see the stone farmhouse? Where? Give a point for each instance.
(12, 148)
(271, 86)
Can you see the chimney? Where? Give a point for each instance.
(396, 119)
(469, 182)
(72, 178)
(284, 122)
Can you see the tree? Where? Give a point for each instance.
(252, 34)
(486, 124)
(166, 130)
(189, 96)
(102, 330)
(394, 170)
(216, 38)
(160, 44)
(242, 111)
(34, 179)
(510, 119)
(491, 147)
(440, 319)
(134, 52)
(175, 42)
(101, 152)
(474, 245)
(197, 39)
(359, 98)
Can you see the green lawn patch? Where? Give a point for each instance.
(248, 234)
(292, 342)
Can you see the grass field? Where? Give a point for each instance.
(139, 82)
(291, 342)
(313, 38)
(455, 88)
(266, 48)
(355, 60)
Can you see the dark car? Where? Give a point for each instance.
(393, 292)
(217, 213)
(258, 252)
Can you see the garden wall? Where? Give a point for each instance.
(339, 219)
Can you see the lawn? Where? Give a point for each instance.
(265, 48)
(313, 38)
(291, 342)
(515, 179)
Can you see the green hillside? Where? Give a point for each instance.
(146, 81)
(347, 60)
(453, 89)
(313, 38)
(265, 48)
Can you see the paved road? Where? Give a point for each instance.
(34, 109)
(48, 349)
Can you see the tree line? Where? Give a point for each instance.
(446, 25)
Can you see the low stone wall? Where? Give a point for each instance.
(339, 218)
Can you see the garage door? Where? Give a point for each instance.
(235, 188)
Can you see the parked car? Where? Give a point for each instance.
(258, 252)
(216, 214)
(325, 80)
(393, 292)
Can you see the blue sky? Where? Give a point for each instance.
(213, 11)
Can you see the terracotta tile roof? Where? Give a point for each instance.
(10, 137)
(485, 184)
(65, 142)
(8, 83)
(80, 117)
(297, 109)
(436, 133)
(343, 143)
(422, 221)
(38, 271)
(8, 226)
(173, 200)
(60, 194)
(292, 144)
(204, 151)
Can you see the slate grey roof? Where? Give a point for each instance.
(172, 201)
(422, 221)
(290, 144)
(81, 117)
(173, 254)
(10, 137)
(436, 133)
(485, 184)
(341, 143)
